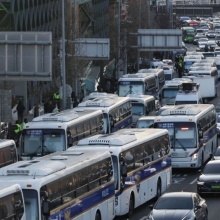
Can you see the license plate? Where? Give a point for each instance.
(215, 187)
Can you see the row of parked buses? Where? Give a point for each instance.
(70, 170)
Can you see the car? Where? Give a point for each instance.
(202, 39)
(200, 31)
(218, 123)
(179, 206)
(217, 39)
(210, 34)
(145, 122)
(201, 46)
(209, 180)
(197, 37)
(212, 45)
(216, 155)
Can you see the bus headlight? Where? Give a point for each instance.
(194, 157)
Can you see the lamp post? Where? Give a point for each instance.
(63, 56)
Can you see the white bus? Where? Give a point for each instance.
(141, 105)
(188, 61)
(11, 202)
(57, 131)
(170, 90)
(141, 161)
(159, 74)
(137, 83)
(8, 152)
(193, 133)
(65, 185)
(116, 110)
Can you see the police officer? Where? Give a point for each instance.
(180, 64)
(56, 98)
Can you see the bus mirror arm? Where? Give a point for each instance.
(124, 170)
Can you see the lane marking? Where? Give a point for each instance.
(193, 181)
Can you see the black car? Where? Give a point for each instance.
(179, 206)
(209, 180)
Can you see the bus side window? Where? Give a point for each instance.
(138, 157)
(93, 125)
(86, 129)
(80, 130)
(68, 189)
(129, 160)
(18, 205)
(54, 194)
(94, 176)
(81, 178)
(7, 155)
(74, 133)
(2, 161)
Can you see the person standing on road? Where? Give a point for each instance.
(180, 68)
(56, 98)
(20, 109)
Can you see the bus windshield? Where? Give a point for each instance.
(31, 204)
(170, 93)
(130, 87)
(137, 109)
(39, 142)
(182, 134)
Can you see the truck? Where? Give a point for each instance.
(207, 92)
(188, 94)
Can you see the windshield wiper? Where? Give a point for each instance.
(34, 153)
(180, 144)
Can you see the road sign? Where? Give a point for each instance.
(26, 56)
(159, 39)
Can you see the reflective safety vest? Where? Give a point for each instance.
(18, 129)
(56, 96)
(180, 64)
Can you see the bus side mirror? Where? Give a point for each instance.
(124, 170)
(70, 141)
(46, 207)
(200, 133)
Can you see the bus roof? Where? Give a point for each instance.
(8, 188)
(153, 71)
(58, 162)
(94, 95)
(122, 138)
(102, 102)
(186, 110)
(135, 97)
(64, 116)
(136, 76)
(6, 142)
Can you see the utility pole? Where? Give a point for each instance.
(63, 55)
(119, 37)
(125, 51)
(139, 27)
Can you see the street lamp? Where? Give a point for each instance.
(63, 56)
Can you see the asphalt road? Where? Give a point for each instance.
(183, 180)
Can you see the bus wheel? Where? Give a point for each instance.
(98, 216)
(158, 189)
(131, 206)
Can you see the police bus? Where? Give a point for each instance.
(193, 134)
(159, 74)
(116, 110)
(8, 152)
(138, 83)
(57, 131)
(65, 185)
(142, 105)
(11, 201)
(141, 164)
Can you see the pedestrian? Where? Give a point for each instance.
(17, 132)
(50, 107)
(180, 68)
(56, 98)
(36, 110)
(23, 123)
(20, 110)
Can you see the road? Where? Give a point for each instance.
(183, 180)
